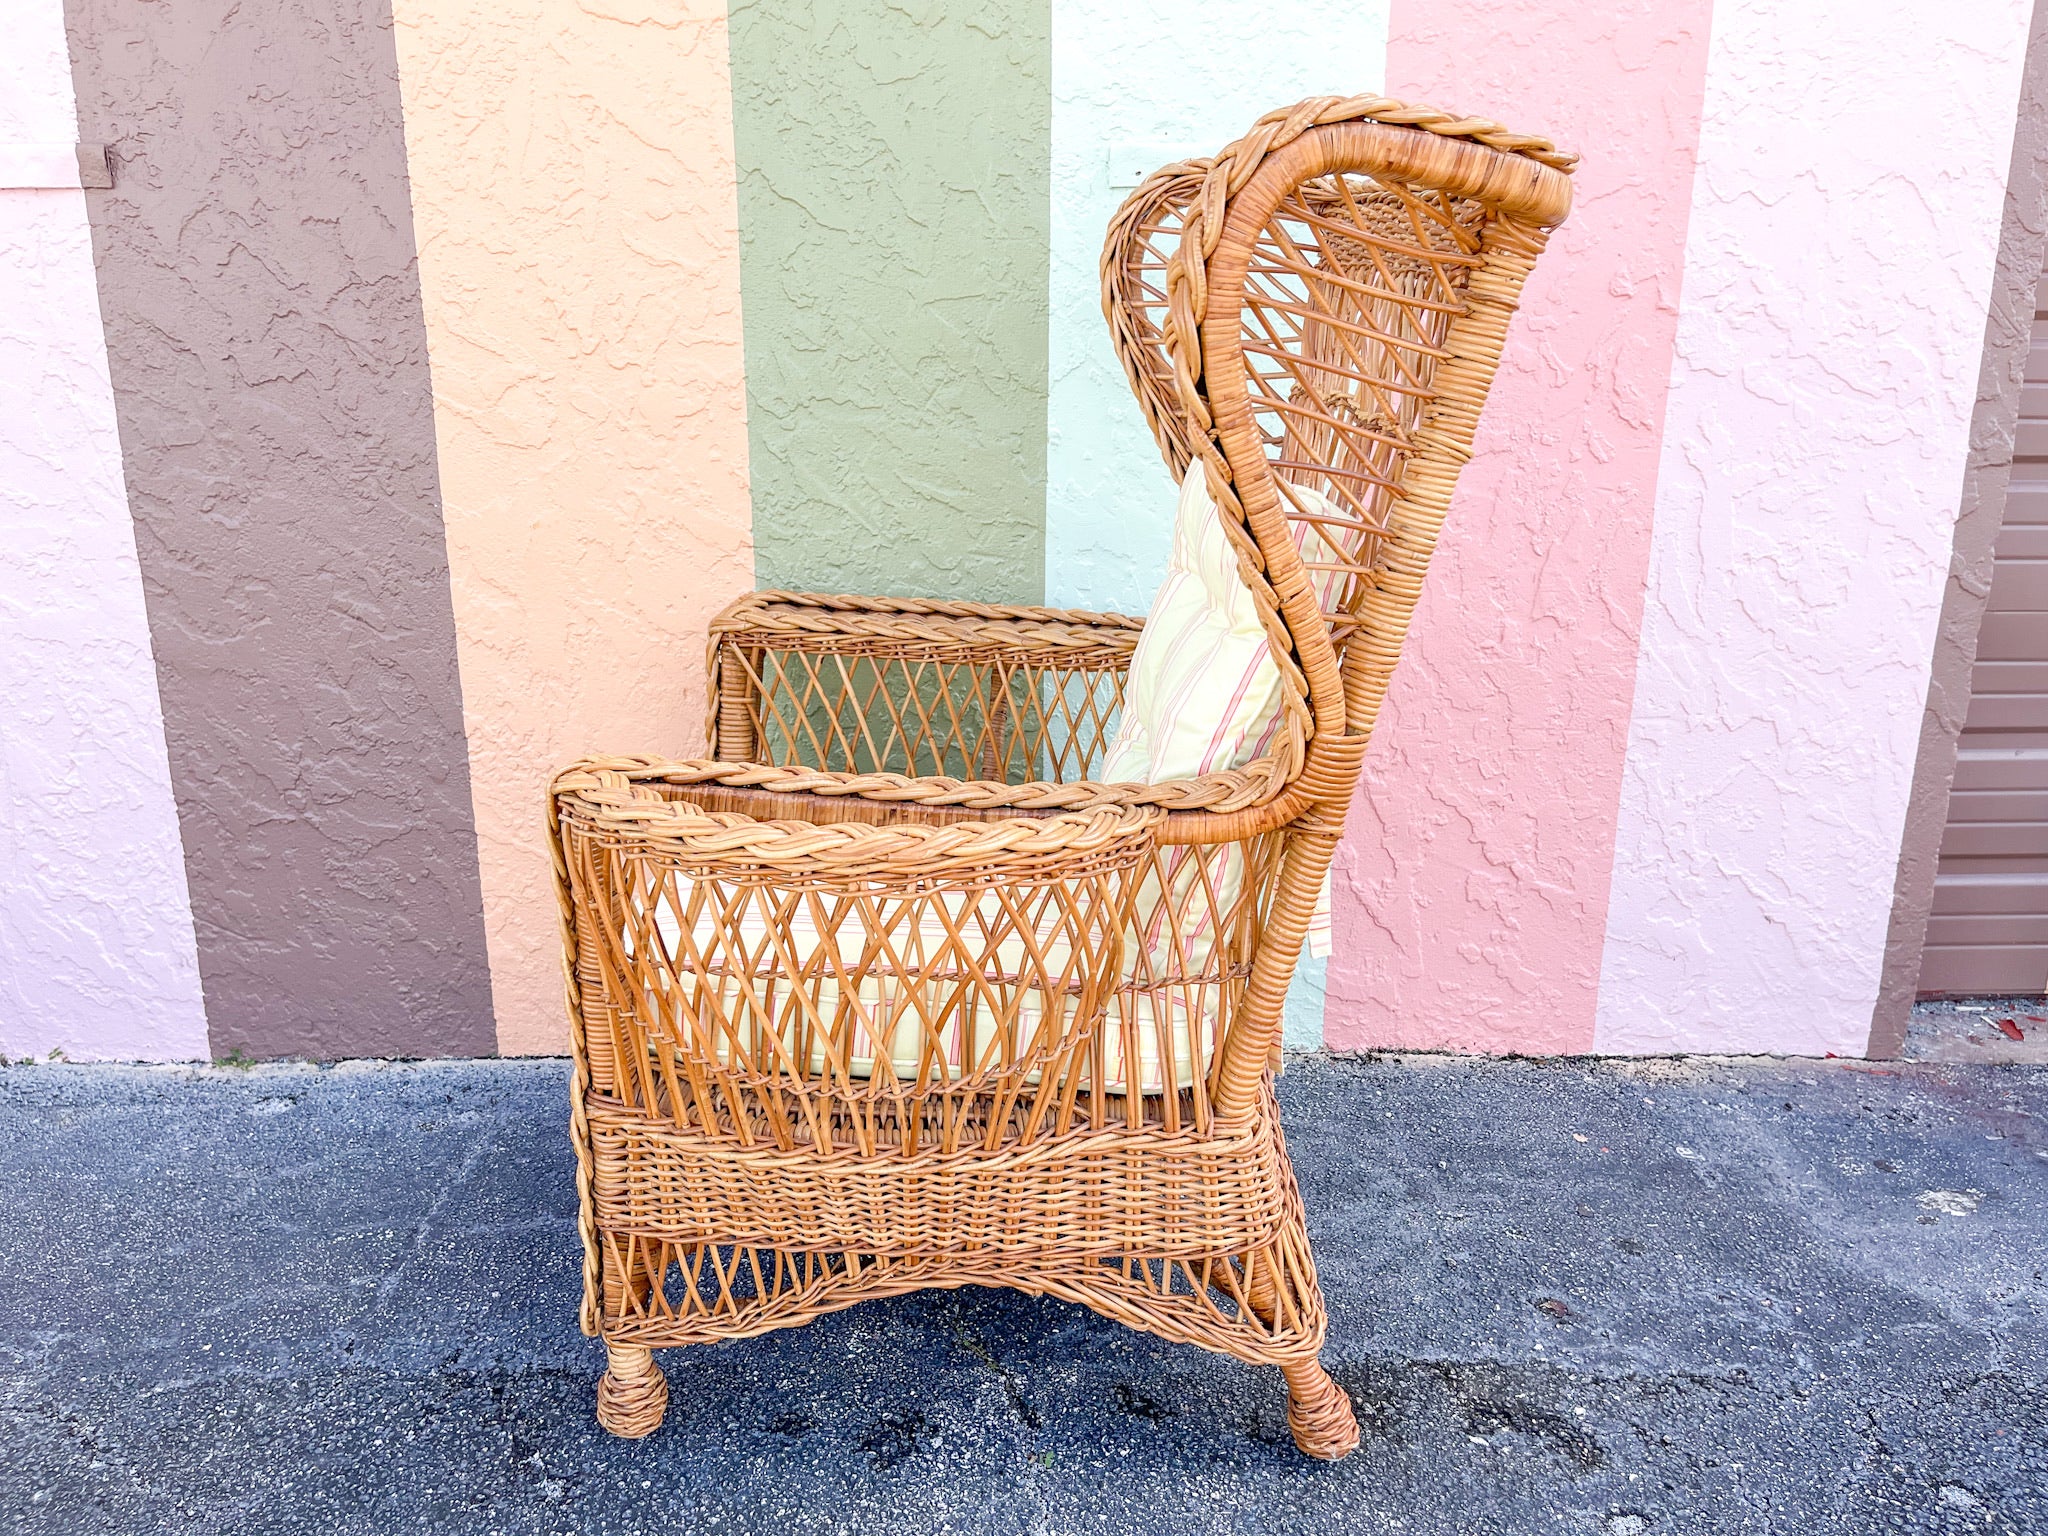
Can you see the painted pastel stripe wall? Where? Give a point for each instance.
(261, 306)
(96, 946)
(1472, 883)
(572, 180)
(1837, 274)
(894, 200)
(448, 365)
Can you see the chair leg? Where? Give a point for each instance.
(1319, 1412)
(632, 1395)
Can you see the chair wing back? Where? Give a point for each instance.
(1313, 318)
(1136, 254)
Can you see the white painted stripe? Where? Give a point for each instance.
(96, 947)
(1845, 222)
(1136, 83)
(40, 165)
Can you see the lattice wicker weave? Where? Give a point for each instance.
(888, 992)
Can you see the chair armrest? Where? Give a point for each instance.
(720, 962)
(921, 687)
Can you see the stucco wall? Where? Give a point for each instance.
(573, 185)
(1642, 781)
(1994, 426)
(96, 948)
(1472, 883)
(894, 206)
(1838, 271)
(269, 366)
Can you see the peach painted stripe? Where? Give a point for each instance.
(573, 192)
(1845, 225)
(1472, 889)
(97, 957)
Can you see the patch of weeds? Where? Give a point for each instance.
(1021, 1406)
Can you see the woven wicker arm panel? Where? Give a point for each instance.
(740, 1171)
(919, 688)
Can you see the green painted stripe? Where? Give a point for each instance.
(895, 229)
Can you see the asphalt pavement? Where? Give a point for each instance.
(1622, 1299)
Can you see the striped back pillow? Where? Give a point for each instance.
(1203, 693)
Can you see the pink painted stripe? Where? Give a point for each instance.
(1472, 890)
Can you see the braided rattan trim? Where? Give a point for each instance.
(621, 802)
(909, 625)
(789, 611)
(1184, 1195)
(865, 634)
(1181, 184)
(1178, 409)
(1253, 784)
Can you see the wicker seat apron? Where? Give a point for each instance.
(1182, 1194)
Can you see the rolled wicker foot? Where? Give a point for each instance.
(1319, 1413)
(633, 1394)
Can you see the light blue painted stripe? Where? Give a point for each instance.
(1127, 96)
(1123, 88)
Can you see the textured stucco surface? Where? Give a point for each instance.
(934, 407)
(572, 182)
(1117, 89)
(263, 329)
(1838, 272)
(1994, 421)
(894, 208)
(1471, 887)
(96, 946)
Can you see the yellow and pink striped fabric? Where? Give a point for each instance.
(384, 434)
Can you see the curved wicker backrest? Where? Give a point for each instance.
(1313, 317)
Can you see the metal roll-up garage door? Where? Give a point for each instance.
(1989, 929)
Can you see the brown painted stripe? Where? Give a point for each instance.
(1993, 423)
(262, 310)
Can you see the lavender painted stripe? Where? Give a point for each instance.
(1995, 421)
(96, 951)
(1838, 268)
(268, 356)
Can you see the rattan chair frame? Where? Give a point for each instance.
(1324, 304)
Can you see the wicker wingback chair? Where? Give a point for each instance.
(888, 992)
